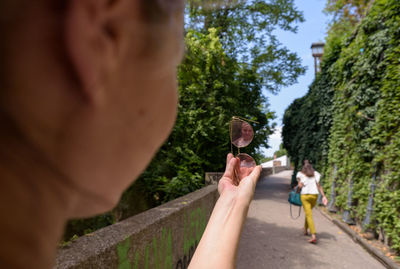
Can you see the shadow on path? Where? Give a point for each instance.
(274, 246)
(271, 239)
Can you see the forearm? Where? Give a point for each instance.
(219, 243)
(321, 190)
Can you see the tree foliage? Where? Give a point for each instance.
(307, 121)
(246, 31)
(281, 151)
(213, 87)
(360, 132)
(347, 10)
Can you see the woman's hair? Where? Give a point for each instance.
(307, 169)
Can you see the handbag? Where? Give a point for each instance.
(294, 199)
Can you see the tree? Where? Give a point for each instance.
(281, 152)
(213, 87)
(246, 31)
(347, 10)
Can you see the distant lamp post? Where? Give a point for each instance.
(317, 52)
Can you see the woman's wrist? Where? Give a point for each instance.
(234, 200)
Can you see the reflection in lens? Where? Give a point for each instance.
(241, 132)
(246, 160)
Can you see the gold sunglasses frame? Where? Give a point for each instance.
(237, 118)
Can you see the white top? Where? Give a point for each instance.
(309, 183)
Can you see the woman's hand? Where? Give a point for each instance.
(239, 180)
(321, 191)
(325, 201)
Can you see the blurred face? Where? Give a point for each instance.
(247, 131)
(115, 145)
(102, 135)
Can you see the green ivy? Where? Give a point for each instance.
(352, 119)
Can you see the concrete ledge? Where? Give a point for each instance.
(272, 170)
(213, 177)
(162, 237)
(387, 262)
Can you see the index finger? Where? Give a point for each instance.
(228, 159)
(230, 166)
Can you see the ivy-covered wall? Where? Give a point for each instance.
(356, 124)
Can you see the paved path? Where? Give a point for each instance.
(271, 239)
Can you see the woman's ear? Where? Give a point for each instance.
(91, 44)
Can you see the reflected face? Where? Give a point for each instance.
(247, 131)
(241, 133)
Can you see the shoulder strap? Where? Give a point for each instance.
(291, 215)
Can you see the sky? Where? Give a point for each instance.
(312, 30)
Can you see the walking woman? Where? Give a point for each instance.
(308, 180)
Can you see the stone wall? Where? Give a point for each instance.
(272, 170)
(213, 177)
(162, 237)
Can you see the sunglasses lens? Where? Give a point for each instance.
(246, 160)
(242, 133)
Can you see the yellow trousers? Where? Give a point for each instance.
(309, 201)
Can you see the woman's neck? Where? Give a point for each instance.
(34, 205)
